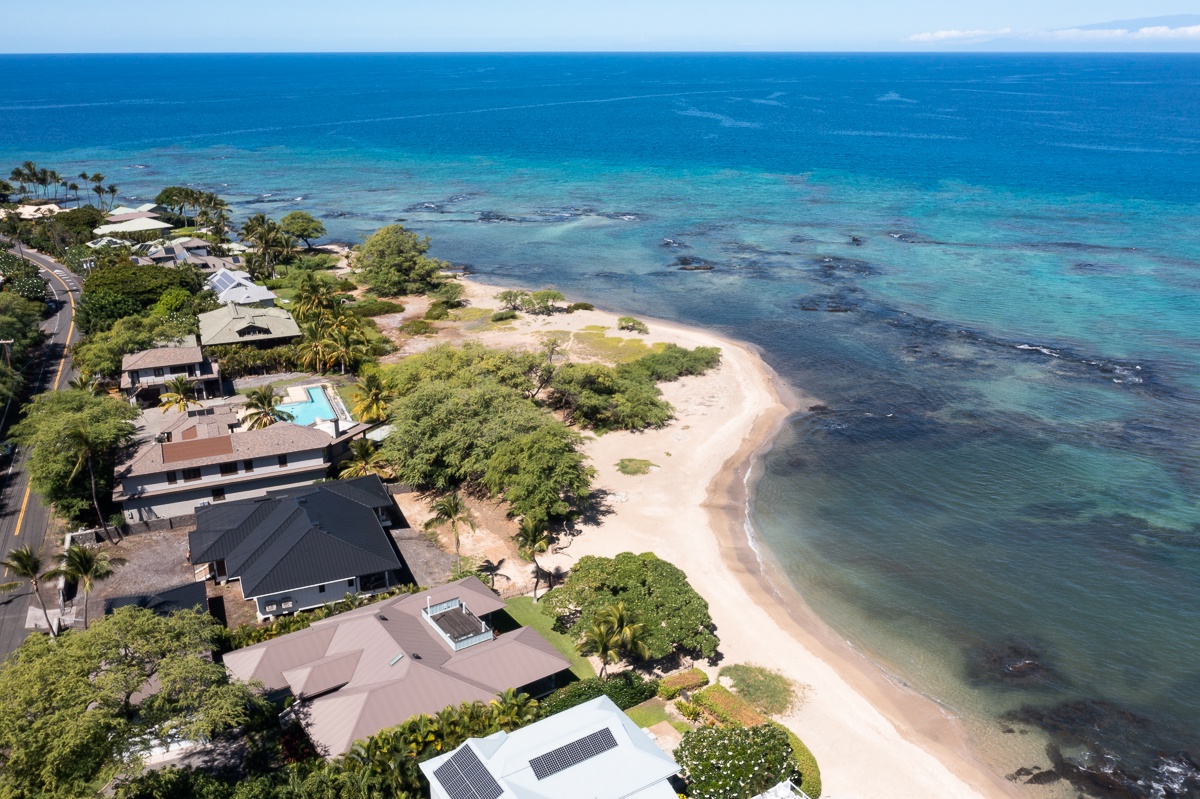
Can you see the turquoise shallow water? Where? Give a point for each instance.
(987, 268)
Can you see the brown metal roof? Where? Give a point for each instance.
(175, 451)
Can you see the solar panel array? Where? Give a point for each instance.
(573, 753)
(222, 281)
(464, 777)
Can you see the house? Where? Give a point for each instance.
(301, 548)
(358, 672)
(144, 208)
(204, 457)
(108, 241)
(238, 324)
(129, 217)
(140, 225)
(144, 374)
(233, 286)
(591, 750)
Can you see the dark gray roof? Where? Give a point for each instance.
(368, 490)
(297, 538)
(181, 597)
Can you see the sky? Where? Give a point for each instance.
(75, 26)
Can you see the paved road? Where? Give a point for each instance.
(23, 517)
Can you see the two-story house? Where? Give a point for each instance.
(246, 324)
(204, 458)
(235, 286)
(143, 374)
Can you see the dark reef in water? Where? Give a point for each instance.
(1014, 663)
(836, 266)
(691, 263)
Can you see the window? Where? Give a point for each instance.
(218, 495)
(320, 589)
(171, 478)
(191, 474)
(229, 468)
(249, 465)
(158, 372)
(282, 461)
(350, 583)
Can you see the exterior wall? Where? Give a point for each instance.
(312, 597)
(183, 498)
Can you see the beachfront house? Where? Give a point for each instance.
(203, 457)
(145, 374)
(591, 750)
(358, 672)
(140, 224)
(234, 286)
(300, 548)
(241, 324)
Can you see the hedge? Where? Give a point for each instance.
(625, 690)
(810, 772)
(502, 316)
(580, 306)
(727, 707)
(671, 687)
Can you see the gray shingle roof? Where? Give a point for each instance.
(162, 357)
(237, 324)
(287, 542)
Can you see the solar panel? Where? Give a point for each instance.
(464, 777)
(573, 754)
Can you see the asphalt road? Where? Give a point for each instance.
(23, 517)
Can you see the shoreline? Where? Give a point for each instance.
(872, 736)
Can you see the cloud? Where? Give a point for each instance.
(957, 35)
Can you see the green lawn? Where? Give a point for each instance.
(525, 613)
(347, 392)
(651, 712)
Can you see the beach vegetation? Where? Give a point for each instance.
(394, 263)
(580, 306)
(593, 343)
(511, 299)
(615, 634)
(503, 316)
(70, 716)
(602, 398)
(735, 762)
(437, 311)
(657, 593)
(417, 327)
(634, 466)
(303, 226)
(672, 362)
(470, 314)
(727, 708)
(626, 690)
(766, 690)
(370, 308)
(631, 324)
(73, 439)
(689, 680)
(541, 303)
(806, 761)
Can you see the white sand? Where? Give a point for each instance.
(872, 738)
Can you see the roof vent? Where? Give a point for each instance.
(382, 617)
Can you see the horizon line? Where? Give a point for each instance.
(945, 51)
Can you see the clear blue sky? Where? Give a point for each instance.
(39, 26)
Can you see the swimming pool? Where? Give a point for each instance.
(317, 407)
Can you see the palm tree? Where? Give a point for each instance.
(86, 446)
(313, 349)
(86, 567)
(514, 709)
(178, 396)
(531, 539)
(23, 562)
(98, 190)
(85, 382)
(112, 194)
(373, 396)
(630, 632)
(366, 459)
(74, 188)
(346, 347)
(452, 509)
(261, 404)
(313, 295)
(602, 641)
(18, 176)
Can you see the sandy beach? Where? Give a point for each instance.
(873, 737)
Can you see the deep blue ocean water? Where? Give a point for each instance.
(986, 267)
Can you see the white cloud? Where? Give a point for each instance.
(956, 35)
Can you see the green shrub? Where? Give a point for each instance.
(375, 308)
(625, 690)
(810, 772)
(439, 310)
(631, 324)
(690, 680)
(689, 710)
(313, 262)
(728, 708)
(672, 363)
(503, 316)
(417, 327)
(634, 466)
(735, 762)
(768, 691)
(580, 306)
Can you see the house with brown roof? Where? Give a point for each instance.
(144, 374)
(358, 672)
(204, 457)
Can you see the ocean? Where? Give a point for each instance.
(986, 267)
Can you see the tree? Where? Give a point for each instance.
(654, 591)
(100, 310)
(735, 762)
(178, 396)
(532, 538)
(512, 299)
(313, 295)
(67, 432)
(263, 411)
(25, 564)
(601, 640)
(452, 510)
(365, 459)
(70, 713)
(302, 225)
(541, 474)
(86, 567)
(394, 263)
(631, 324)
(100, 353)
(372, 396)
(628, 630)
(541, 302)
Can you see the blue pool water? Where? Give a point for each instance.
(987, 267)
(316, 408)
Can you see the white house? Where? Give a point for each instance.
(592, 750)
